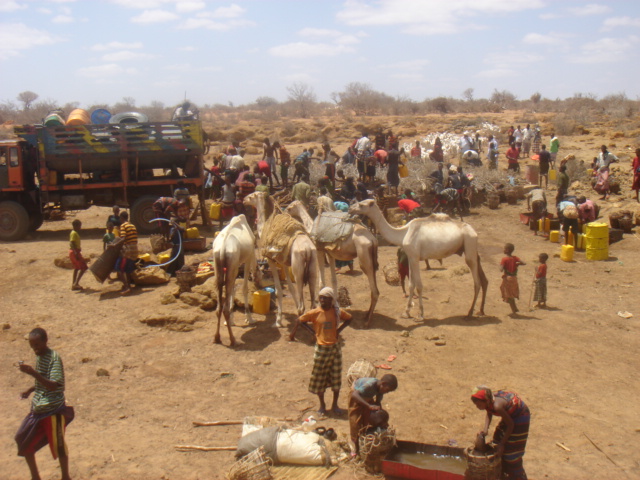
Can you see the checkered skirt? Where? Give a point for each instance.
(327, 368)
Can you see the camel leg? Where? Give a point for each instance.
(313, 281)
(367, 267)
(415, 282)
(228, 313)
(297, 290)
(245, 291)
(219, 286)
(276, 280)
(321, 267)
(334, 277)
(479, 281)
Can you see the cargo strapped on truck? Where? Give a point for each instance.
(117, 139)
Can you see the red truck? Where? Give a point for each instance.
(76, 167)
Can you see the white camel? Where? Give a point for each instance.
(232, 247)
(300, 254)
(433, 237)
(361, 244)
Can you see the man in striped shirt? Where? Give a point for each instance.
(49, 414)
(126, 262)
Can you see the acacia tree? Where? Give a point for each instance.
(27, 98)
(360, 98)
(303, 96)
(468, 94)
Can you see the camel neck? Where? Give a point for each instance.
(389, 233)
(307, 221)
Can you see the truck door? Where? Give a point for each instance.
(15, 167)
(4, 167)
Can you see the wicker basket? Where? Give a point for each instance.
(158, 243)
(374, 448)
(254, 466)
(493, 200)
(344, 300)
(483, 466)
(361, 368)
(391, 275)
(511, 194)
(186, 278)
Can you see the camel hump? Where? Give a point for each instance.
(435, 218)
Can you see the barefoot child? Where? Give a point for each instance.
(327, 359)
(540, 294)
(75, 255)
(509, 268)
(366, 398)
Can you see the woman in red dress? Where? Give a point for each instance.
(635, 166)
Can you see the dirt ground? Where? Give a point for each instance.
(575, 364)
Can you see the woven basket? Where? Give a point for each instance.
(254, 466)
(482, 466)
(375, 447)
(344, 300)
(511, 195)
(361, 368)
(626, 224)
(391, 275)
(186, 278)
(158, 243)
(493, 200)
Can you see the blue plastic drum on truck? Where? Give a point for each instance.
(100, 116)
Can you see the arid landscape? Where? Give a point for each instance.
(137, 387)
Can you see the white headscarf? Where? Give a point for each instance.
(328, 292)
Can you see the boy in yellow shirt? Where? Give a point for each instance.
(75, 255)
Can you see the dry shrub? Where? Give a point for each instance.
(240, 134)
(289, 129)
(564, 125)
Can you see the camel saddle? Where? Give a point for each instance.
(329, 228)
(279, 233)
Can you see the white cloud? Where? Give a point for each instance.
(318, 32)
(549, 16)
(105, 71)
(11, 6)
(62, 19)
(142, 4)
(125, 55)
(540, 39)
(187, 49)
(497, 73)
(298, 77)
(306, 50)
(412, 65)
(103, 47)
(16, 37)
(154, 16)
(190, 6)
(44, 11)
(232, 11)
(590, 9)
(607, 50)
(614, 22)
(427, 17)
(203, 22)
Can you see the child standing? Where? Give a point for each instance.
(540, 294)
(509, 268)
(75, 255)
(109, 237)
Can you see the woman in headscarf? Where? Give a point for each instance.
(511, 434)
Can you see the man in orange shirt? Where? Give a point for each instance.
(327, 360)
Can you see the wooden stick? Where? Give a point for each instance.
(187, 448)
(217, 423)
(563, 447)
(602, 451)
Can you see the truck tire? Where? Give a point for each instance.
(36, 219)
(14, 221)
(141, 213)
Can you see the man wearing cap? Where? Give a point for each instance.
(323, 322)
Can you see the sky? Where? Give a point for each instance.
(218, 52)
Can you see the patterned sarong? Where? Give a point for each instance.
(39, 429)
(327, 368)
(540, 293)
(517, 442)
(77, 260)
(509, 287)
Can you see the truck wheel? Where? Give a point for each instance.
(14, 221)
(141, 213)
(35, 221)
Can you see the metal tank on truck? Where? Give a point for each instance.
(72, 167)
